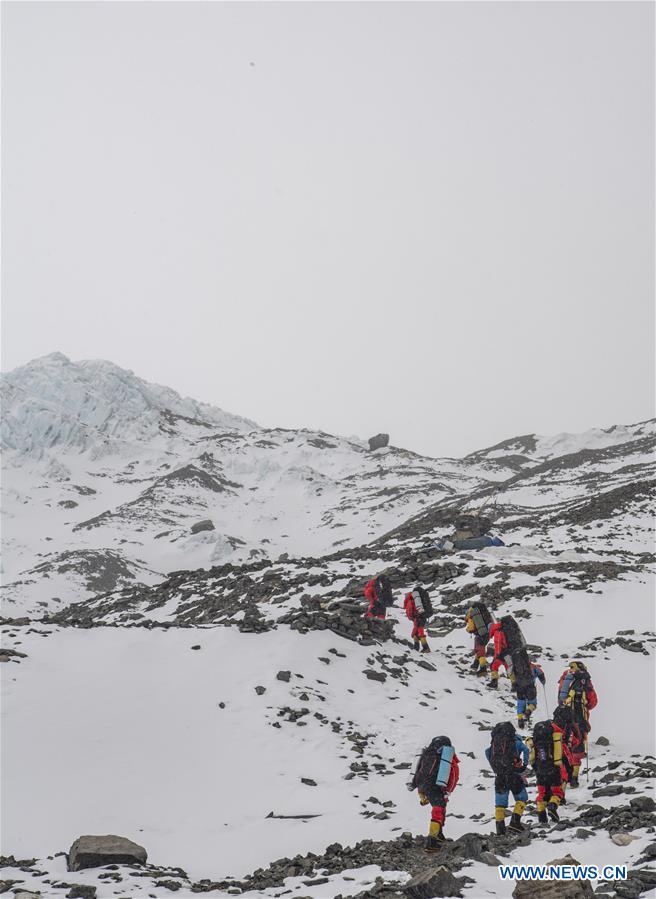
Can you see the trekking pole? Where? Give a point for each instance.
(546, 701)
(587, 762)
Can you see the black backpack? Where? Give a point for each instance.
(522, 668)
(543, 745)
(503, 750)
(580, 686)
(514, 637)
(383, 590)
(428, 764)
(422, 601)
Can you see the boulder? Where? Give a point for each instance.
(642, 804)
(434, 882)
(378, 442)
(97, 851)
(623, 839)
(81, 891)
(205, 525)
(554, 889)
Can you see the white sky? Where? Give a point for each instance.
(434, 219)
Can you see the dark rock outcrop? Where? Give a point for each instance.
(96, 851)
(378, 442)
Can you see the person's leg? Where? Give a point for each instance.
(521, 798)
(436, 827)
(500, 806)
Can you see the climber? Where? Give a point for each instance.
(379, 593)
(435, 777)
(546, 757)
(501, 656)
(527, 694)
(418, 608)
(508, 641)
(575, 689)
(477, 622)
(571, 738)
(508, 758)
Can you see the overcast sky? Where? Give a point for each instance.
(433, 219)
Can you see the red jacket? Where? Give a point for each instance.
(410, 607)
(455, 774)
(500, 642)
(370, 594)
(370, 590)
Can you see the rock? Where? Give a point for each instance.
(612, 790)
(375, 675)
(284, 676)
(434, 882)
(205, 525)
(97, 851)
(81, 891)
(554, 889)
(197, 646)
(260, 690)
(488, 858)
(308, 781)
(378, 442)
(623, 839)
(642, 804)
(602, 741)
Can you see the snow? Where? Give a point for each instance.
(119, 729)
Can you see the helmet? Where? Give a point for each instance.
(436, 742)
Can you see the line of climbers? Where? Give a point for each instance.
(556, 747)
(417, 607)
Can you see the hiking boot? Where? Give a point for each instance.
(516, 824)
(475, 666)
(425, 648)
(563, 801)
(542, 817)
(501, 828)
(416, 646)
(433, 843)
(494, 683)
(521, 724)
(574, 782)
(552, 811)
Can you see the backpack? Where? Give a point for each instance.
(578, 681)
(503, 751)
(543, 745)
(434, 768)
(522, 668)
(514, 637)
(383, 591)
(482, 618)
(580, 685)
(422, 601)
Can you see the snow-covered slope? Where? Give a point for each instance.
(53, 402)
(98, 461)
(130, 705)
